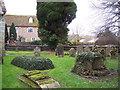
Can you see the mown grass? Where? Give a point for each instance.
(23, 52)
(61, 73)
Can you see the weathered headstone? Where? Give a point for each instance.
(113, 53)
(103, 52)
(72, 52)
(108, 49)
(37, 51)
(87, 49)
(95, 49)
(79, 49)
(60, 50)
(36, 79)
(16, 49)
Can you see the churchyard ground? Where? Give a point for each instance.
(61, 72)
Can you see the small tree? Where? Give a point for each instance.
(6, 34)
(13, 31)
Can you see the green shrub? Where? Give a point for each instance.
(33, 63)
(90, 63)
(37, 42)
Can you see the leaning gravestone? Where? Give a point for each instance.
(79, 49)
(37, 51)
(72, 52)
(60, 50)
(87, 49)
(36, 79)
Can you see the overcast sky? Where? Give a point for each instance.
(81, 24)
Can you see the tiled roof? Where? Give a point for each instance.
(20, 20)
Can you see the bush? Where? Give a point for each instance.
(37, 42)
(32, 63)
(90, 63)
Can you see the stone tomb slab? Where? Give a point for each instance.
(36, 79)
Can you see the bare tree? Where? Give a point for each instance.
(110, 12)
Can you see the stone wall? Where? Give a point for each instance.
(43, 47)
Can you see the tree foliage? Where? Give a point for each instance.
(6, 34)
(13, 31)
(53, 21)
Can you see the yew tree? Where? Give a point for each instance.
(53, 19)
(13, 32)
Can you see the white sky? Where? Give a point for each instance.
(81, 24)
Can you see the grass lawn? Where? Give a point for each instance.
(61, 73)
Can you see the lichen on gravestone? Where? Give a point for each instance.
(36, 79)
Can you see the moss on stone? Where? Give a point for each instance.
(35, 78)
(88, 62)
(33, 72)
(46, 82)
(28, 82)
(39, 76)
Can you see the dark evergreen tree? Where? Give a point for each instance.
(6, 34)
(54, 18)
(13, 31)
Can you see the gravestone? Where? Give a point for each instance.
(72, 52)
(60, 50)
(16, 49)
(108, 49)
(2, 30)
(87, 49)
(103, 53)
(79, 49)
(36, 79)
(95, 49)
(113, 53)
(37, 51)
